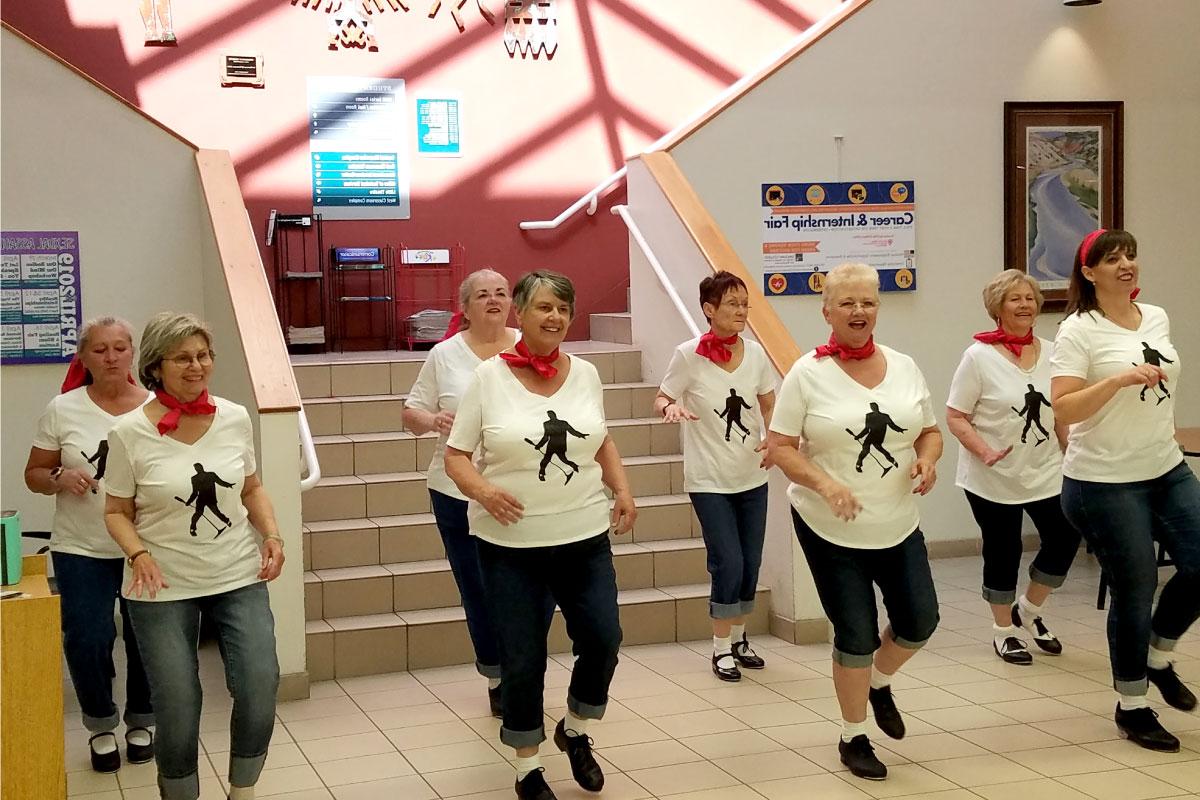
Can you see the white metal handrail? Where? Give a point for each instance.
(591, 200)
(309, 451)
(623, 213)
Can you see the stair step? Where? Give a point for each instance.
(612, 327)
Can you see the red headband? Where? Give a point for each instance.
(1086, 245)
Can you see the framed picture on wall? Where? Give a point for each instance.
(1062, 180)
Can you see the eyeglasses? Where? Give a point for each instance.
(184, 360)
(865, 305)
(736, 305)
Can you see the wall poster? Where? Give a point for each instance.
(40, 305)
(439, 124)
(810, 228)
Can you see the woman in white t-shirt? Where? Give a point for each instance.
(722, 387)
(1010, 462)
(1115, 376)
(871, 443)
(187, 508)
(68, 460)
(538, 508)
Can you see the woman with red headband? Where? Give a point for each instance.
(871, 443)
(722, 387)
(187, 508)
(68, 460)
(1114, 378)
(1010, 462)
(537, 507)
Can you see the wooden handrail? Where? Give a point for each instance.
(768, 328)
(253, 309)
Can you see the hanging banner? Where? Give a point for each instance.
(439, 130)
(810, 228)
(359, 155)
(40, 306)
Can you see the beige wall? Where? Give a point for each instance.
(916, 88)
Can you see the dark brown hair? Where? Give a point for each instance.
(714, 288)
(1081, 293)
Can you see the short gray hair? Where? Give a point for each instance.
(1002, 284)
(91, 325)
(163, 333)
(560, 285)
(467, 286)
(850, 272)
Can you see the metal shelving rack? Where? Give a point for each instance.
(383, 270)
(299, 270)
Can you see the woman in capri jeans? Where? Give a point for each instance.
(722, 387)
(68, 460)
(537, 506)
(186, 506)
(871, 443)
(1010, 462)
(1115, 375)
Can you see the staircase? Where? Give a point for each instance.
(379, 594)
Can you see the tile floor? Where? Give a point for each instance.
(977, 728)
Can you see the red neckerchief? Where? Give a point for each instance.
(1133, 295)
(78, 375)
(455, 325)
(201, 406)
(1014, 344)
(716, 349)
(542, 365)
(836, 348)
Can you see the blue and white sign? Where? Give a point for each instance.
(40, 305)
(439, 127)
(357, 145)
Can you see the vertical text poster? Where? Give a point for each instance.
(357, 149)
(439, 126)
(40, 306)
(810, 228)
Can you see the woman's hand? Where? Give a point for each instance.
(147, 577)
(767, 461)
(841, 500)
(272, 558)
(990, 456)
(1141, 375)
(677, 413)
(75, 481)
(926, 471)
(443, 421)
(503, 507)
(624, 513)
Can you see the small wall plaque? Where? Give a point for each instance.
(242, 69)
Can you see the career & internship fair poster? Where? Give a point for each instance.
(810, 228)
(40, 305)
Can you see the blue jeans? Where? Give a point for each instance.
(168, 632)
(1000, 525)
(88, 587)
(844, 578)
(734, 526)
(581, 578)
(1121, 521)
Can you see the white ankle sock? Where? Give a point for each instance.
(575, 726)
(241, 792)
(140, 736)
(493, 683)
(721, 646)
(1028, 609)
(879, 680)
(1158, 659)
(1131, 702)
(105, 744)
(737, 632)
(528, 765)
(1002, 632)
(852, 729)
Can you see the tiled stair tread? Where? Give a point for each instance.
(614, 314)
(402, 520)
(374, 398)
(365, 622)
(392, 356)
(663, 458)
(359, 524)
(339, 480)
(391, 477)
(419, 567)
(352, 573)
(670, 545)
(386, 436)
(662, 500)
(317, 626)
(638, 421)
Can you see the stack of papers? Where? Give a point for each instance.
(428, 324)
(314, 335)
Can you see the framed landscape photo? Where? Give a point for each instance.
(1062, 180)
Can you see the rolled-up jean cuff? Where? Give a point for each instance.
(244, 770)
(1045, 579)
(1132, 688)
(851, 660)
(908, 644)
(747, 607)
(724, 610)
(491, 671)
(1160, 643)
(998, 596)
(101, 724)
(185, 788)
(585, 711)
(134, 720)
(523, 738)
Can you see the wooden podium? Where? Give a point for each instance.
(31, 682)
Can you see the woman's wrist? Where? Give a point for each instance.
(53, 476)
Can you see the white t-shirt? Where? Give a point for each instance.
(78, 429)
(718, 448)
(1132, 438)
(188, 500)
(1009, 406)
(521, 435)
(863, 438)
(439, 387)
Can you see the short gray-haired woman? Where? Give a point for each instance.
(538, 509)
(1010, 462)
(187, 508)
(68, 460)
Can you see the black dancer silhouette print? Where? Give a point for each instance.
(1154, 359)
(733, 414)
(99, 460)
(875, 427)
(204, 493)
(1032, 412)
(554, 437)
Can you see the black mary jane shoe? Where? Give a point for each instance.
(139, 753)
(1174, 692)
(724, 666)
(533, 787)
(1013, 651)
(1141, 726)
(859, 757)
(887, 716)
(586, 771)
(745, 655)
(104, 762)
(494, 703)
